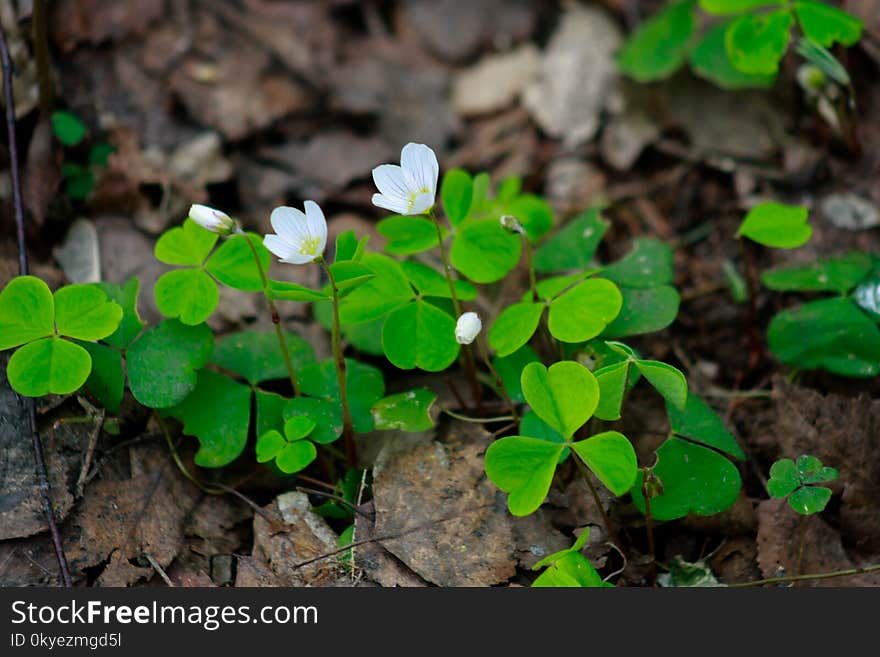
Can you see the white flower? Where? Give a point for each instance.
(409, 188)
(301, 237)
(467, 328)
(213, 220)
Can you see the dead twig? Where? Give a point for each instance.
(18, 206)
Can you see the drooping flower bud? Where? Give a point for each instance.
(467, 328)
(213, 220)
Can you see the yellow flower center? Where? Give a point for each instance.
(310, 247)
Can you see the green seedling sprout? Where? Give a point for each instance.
(801, 483)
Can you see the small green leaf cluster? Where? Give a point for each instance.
(799, 482)
(569, 568)
(743, 41)
(79, 178)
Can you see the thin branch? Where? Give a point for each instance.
(39, 460)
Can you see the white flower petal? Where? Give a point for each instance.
(396, 205)
(421, 203)
(279, 246)
(391, 182)
(420, 162)
(315, 221)
(298, 259)
(289, 223)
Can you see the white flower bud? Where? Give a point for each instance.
(467, 328)
(511, 223)
(214, 220)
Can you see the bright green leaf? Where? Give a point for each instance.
(484, 251)
(186, 245)
(659, 46)
(723, 7)
(612, 381)
(189, 294)
(298, 427)
(709, 60)
(584, 311)
(522, 467)
(564, 396)
(408, 235)
(777, 225)
(296, 456)
(514, 327)
(233, 263)
(420, 335)
(48, 366)
(269, 445)
(284, 291)
(826, 25)
(84, 312)
(611, 457)
(27, 311)
(457, 193)
(389, 289)
(757, 42)
(667, 380)
(127, 297)
(431, 283)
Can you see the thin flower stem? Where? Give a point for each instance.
(477, 420)
(484, 355)
(609, 528)
(803, 578)
(467, 355)
(533, 286)
(802, 539)
(273, 310)
(339, 359)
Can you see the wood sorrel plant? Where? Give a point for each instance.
(554, 357)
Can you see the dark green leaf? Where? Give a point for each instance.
(218, 413)
(574, 245)
(162, 363)
(694, 480)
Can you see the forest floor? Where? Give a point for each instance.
(250, 104)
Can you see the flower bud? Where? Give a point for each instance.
(467, 328)
(511, 223)
(213, 220)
